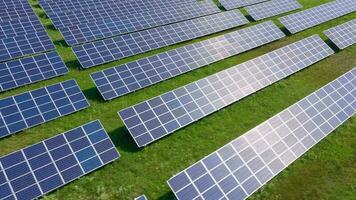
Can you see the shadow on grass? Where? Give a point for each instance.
(52, 27)
(285, 31)
(93, 94)
(332, 45)
(122, 138)
(249, 18)
(73, 64)
(167, 196)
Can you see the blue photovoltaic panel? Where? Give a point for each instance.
(343, 35)
(29, 70)
(232, 4)
(272, 8)
(24, 45)
(111, 49)
(32, 108)
(241, 167)
(20, 26)
(43, 167)
(124, 7)
(153, 119)
(5, 4)
(171, 33)
(8, 14)
(115, 11)
(130, 23)
(305, 19)
(120, 80)
(142, 197)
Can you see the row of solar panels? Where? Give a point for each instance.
(238, 169)
(94, 53)
(21, 32)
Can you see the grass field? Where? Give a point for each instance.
(326, 172)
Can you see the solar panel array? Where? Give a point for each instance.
(130, 23)
(142, 197)
(15, 13)
(11, 4)
(52, 7)
(272, 8)
(153, 119)
(107, 50)
(343, 35)
(305, 19)
(241, 167)
(120, 80)
(23, 45)
(20, 26)
(32, 108)
(41, 168)
(233, 4)
(115, 11)
(32, 69)
(21, 32)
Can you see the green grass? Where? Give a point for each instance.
(326, 172)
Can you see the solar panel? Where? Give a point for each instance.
(43, 167)
(29, 70)
(305, 19)
(232, 4)
(153, 119)
(124, 6)
(131, 23)
(343, 35)
(12, 4)
(272, 8)
(244, 165)
(32, 108)
(120, 80)
(24, 45)
(8, 14)
(20, 26)
(115, 11)
(107, 50)
(142, 197)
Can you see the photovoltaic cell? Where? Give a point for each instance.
(130, 23)
(107, 50)
(343, 35)
(244, 165)
(142, 197)
(232, 4)
(305, 19)
(29, 70)
(20, 26)
(9, 14)
(24, 45)
(115, 11)
(272, 8)
(32, 108)
(43, 167)
(120, 80)
(153, 119)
